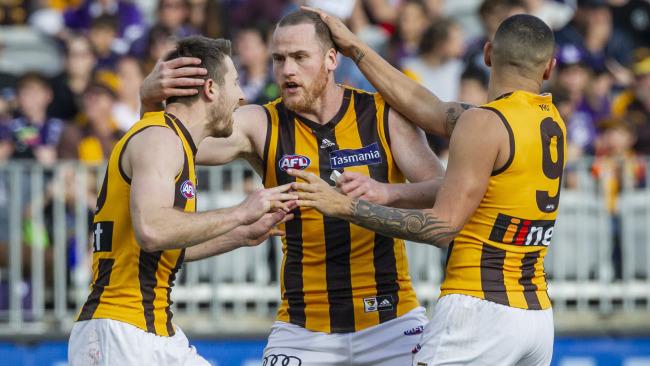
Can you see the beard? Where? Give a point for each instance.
(221, 119)
(311, 93)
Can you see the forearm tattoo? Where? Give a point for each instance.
(453, 113)
(413, 225)
(357, 55)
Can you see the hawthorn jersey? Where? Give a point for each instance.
(129, 284)
(499, 254)
(337, 277)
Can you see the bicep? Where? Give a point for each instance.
(473, 151)
(411, 151)
(154, 167)
(219, 150)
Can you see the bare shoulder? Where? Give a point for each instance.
(479, 121)
(152, 145)
(251, 121)
(250, 115)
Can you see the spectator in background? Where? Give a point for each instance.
(632, 17)
(555, 14)
(619, 168)
(564, 105)
(438, 65)
(473, 88)
(130, 24)
(411, 23)
(102, 36)
(382, 12)
(161, 41)
(33, 134)
(634, 105)
(241, 12)
(594, 107)
(572, 72)
(127, 107)
(208, 17)
(171, 14)
(491, 13)
(95, 132)
(592, 32)
(70, 84)
(255, 76)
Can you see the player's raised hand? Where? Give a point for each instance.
(357, 185)
(316, 193)
(346, 41)
(266, 226)
(265, 200)
(174, 78)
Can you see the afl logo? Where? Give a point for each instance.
(294, 162)
(187, 189)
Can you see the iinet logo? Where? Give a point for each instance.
(517, 231)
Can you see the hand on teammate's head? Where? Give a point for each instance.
(174, 78)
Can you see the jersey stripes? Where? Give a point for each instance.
(333, 272)
(499, 254)
(129, 284)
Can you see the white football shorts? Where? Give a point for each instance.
(387, 344)
(466, 330)
(108, 342)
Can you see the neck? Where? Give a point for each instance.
(193, 117)
(508, 82)
(327, 105)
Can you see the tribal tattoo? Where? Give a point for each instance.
(453, 113)
(413, 225)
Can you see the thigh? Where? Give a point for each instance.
(391, 343)
(176, 350)
(105, 342)
(84, 347)
(470, 331)
(291, 345)
(540, 323)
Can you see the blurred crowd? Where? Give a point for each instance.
(106, 47)
(602, 82)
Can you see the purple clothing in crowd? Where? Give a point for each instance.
(130, 22)
(27, 136)
(582, 128)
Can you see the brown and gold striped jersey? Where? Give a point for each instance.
(337, 277)
(499, 254)
(129, 284)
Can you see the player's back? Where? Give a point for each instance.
(130, 284)
(499, 254)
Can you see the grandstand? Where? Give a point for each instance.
(69, 74)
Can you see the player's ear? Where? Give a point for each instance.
(487, 53)
(210, 89)
(549, 68)
(331, 62)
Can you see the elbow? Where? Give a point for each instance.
(443, 243)
(443, 237)
(149, 240)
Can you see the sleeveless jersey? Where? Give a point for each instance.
(129, 284)
(499, 254)
(337, 277)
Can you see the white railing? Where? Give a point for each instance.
(44, 214)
